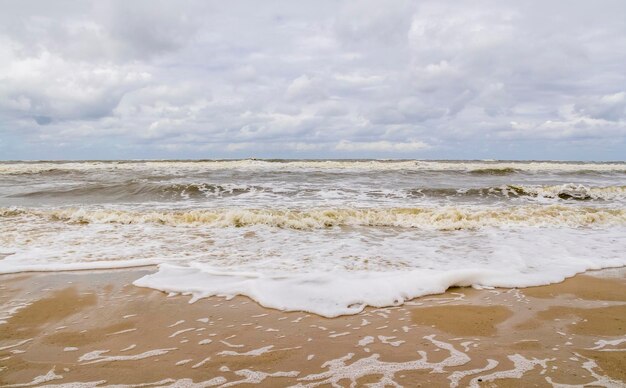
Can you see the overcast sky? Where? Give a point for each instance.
(325, 79)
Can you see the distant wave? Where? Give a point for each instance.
(475, 167)
(495, 171)
(437, 218)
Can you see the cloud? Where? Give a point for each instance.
(431, 79)
(304, 88)
(611, 107)
(49, 88)
(380, 146)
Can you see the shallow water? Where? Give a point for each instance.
(323, 236)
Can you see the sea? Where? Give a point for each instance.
(325, 236)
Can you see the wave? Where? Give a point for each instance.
(568, 191)
(495, 171)
(147, 191)
(474, 167)
(144, 191)
(439, 218)
(332, 294)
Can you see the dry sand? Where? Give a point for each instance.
(97, 329)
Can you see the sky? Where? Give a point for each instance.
(318, 79)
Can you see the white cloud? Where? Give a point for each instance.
(48, 85)
(380, 146)
(428, 79)
(304, 88)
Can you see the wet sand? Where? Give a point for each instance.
(95, 328)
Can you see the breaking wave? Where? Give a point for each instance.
(563, 192)
(439, 218)
(474, 167)
(567, 192)
(146, 191)
(495, 171)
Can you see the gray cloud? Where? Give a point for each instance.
(442, 79)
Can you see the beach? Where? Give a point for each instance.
(326, 194)
(97, 329)
(312, 273)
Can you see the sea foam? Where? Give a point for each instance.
(478, 167)
(437, 218)
(332, 294)
(329, 237)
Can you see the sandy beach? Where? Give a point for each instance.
(312, 194)
(97, 329)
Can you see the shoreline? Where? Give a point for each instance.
(96, 327)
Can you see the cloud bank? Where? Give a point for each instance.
(328, 79)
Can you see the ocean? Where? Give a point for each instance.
(324, 236)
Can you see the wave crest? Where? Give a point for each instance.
(495, 171)
(477, 167)
(155, 191)
(144, 191)
(568, 192)
(441, 218)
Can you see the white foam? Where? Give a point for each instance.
(39, 379)
(13, 267)
(16, 345)
(181, 332)
(366, 340)
(97, 356)
(569, 190)
(231, 345)
(339, 369)
(601, 380)
(261, 165)
(389, 341)
(199, 364)
(427, 217)
(256, 377)
(456, 376)
(123, 331)
(254, 352)
(347, 292)
(189, 383)
(10, 308)
(602, 344)
(274, 252)
(521, 365)
(86, 384)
